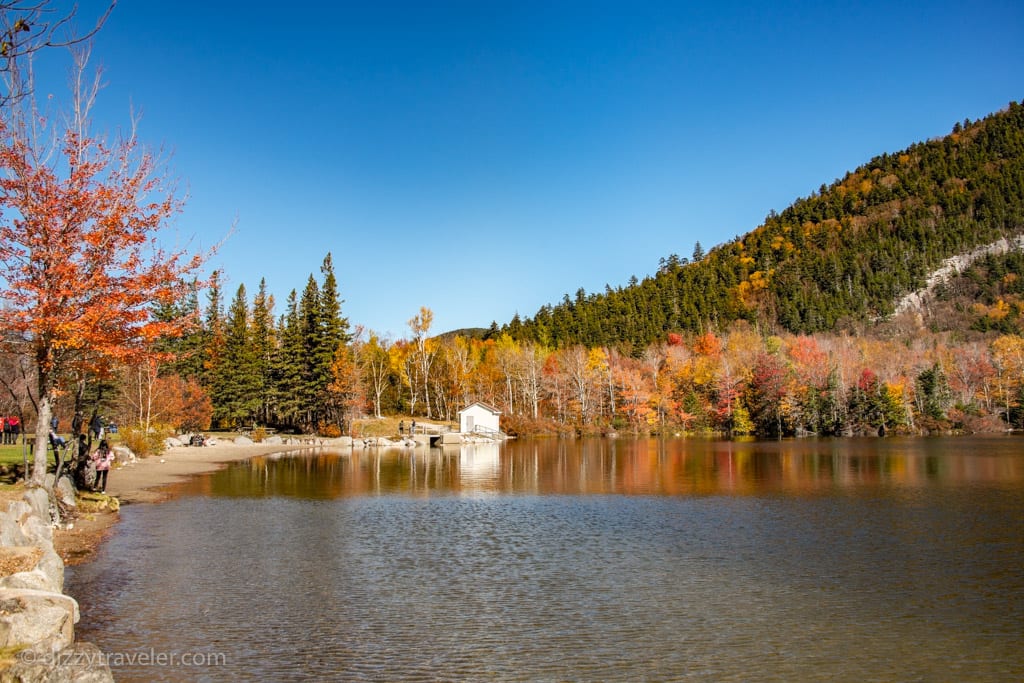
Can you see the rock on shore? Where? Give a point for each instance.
(37, 620)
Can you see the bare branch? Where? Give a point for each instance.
(26, 27)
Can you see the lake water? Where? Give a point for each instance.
(591, 560)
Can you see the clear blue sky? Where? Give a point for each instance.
(484, 158)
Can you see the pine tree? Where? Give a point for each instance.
(213, 338)
(333, 336)
(336, 330)
(237, 398)
(315, 365)
(263, 343)
(188, 361)
(170, 348)
(288, 364)
(698, 252)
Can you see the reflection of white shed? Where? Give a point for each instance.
(478, 417)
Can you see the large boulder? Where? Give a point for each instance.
(243, 441)
(123, 455)
(79, 662)
(36, 617)
(35, 579)
(63, 491)
(39, 501)
(36, 530)
(274, 440)
(52, 566)
(11, 533)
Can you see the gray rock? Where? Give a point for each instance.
(39, 501)
(174, 442)
(65, 492)
(52, 566)
(11, 532)
(78, 663)
(243, 441)
(39, 618)
(38, 532)
(18, 509)
(275, 439)
(123, 455)
(31, 580)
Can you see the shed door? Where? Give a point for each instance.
(470, 423)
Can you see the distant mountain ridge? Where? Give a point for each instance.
(841, 257)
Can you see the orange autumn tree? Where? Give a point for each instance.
(80, 265)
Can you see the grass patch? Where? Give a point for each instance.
(10, 455)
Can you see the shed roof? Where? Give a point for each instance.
(482, 405)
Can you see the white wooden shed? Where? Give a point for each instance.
(479, 417)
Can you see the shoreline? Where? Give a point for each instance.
(140, 481)
(135, 482)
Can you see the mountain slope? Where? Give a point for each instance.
(844, 254)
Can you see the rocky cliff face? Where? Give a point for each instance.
(37, 620)
(916, 301)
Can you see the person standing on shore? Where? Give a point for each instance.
(13, 428)
(103, 457)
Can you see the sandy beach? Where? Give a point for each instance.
(138, 483)
(135, 483)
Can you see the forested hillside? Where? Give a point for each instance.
(840, 256)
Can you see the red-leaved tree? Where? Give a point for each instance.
(80, 261)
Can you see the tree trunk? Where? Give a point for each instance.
(38, 477)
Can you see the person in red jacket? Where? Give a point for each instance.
(13, 428)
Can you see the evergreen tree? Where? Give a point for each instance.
(188, 348)
(289, 364)
(933, 394)
(213, 337)
(333, 335)
(315, 363)
(170, 347)
(698, 252)
(237, 398)
(336, 330)
(264, 346)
